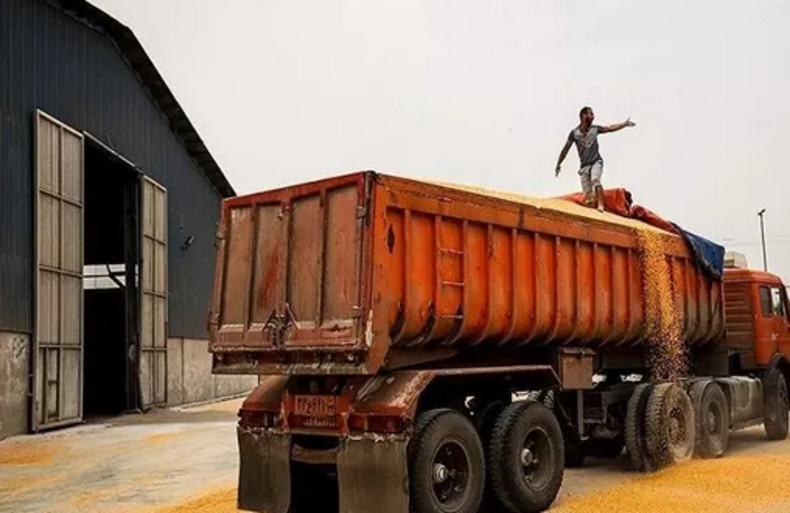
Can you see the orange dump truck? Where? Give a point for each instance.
(435, 348)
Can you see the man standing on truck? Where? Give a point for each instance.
(591, 168)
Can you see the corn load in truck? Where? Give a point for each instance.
(437, 348)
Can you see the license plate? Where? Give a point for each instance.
(315, 405)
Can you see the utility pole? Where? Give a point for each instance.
(761, 213)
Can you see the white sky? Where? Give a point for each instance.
(484, 93)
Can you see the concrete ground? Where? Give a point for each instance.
(185, 460)
(139, 463)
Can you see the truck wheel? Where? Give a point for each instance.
(635, 440)
(447, 471)
(713, 419)
(485, 419)
(526, 458)
(776, 405)
(670, 426)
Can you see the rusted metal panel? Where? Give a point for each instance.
(314, 456)
(304, 260)
(575, 368)
(235, 249)
(392, 394)
(366, 400)
(432, 266)
(268, 273)
(264, 471)
(372, 473)
(290, 269)
(397, 393)
(267, 396)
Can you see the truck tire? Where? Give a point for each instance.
(447, 464)
(670, 425)
(776, 405)
(635, 441)
(484, 421)
(712, 415)
(526, 458)
(655, 424)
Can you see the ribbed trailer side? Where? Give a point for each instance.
(463, 268)
(342, 271)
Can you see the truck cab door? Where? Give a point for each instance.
(782, 314)
(768, 326)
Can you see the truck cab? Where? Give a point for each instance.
(758, 319)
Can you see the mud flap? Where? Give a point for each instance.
(265, 471)
(372, 475)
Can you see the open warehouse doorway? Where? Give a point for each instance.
(101, 281)
(110, 286)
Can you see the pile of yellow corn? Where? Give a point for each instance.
(554, 204)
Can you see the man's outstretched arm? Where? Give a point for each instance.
(618, 126)
(563, 154)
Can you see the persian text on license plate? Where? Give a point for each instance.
(315, 405)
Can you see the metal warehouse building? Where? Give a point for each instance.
(108, 208)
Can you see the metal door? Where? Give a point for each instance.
(153, 295)
(58, 331)
(291, 269)
(782, 315)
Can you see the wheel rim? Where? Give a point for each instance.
(450, 475)
(677, 428)
(714, 419)
(536, 458)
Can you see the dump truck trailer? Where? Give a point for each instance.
(436, 348)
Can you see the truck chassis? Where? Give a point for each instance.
(465, 439)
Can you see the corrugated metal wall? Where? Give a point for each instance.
(56, 63)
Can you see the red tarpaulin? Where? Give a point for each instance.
(618, 201)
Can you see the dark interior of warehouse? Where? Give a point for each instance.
(111, 207)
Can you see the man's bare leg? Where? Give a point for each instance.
(587, 187)
(589, 200)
